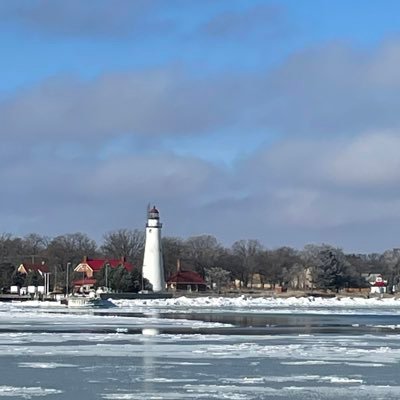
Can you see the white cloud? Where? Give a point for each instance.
(371, 160)
(335, 180)
(141, 103)
(332, 91)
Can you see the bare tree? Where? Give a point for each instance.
(173, 249)
(11, 248)
(67, 248)
(203, 252)
(298, 277)
(390, 262)
(279, 265)
(311, 258)
(124, 243)
(5, 239)
(366, 263)
(248, 253)
(34, 246)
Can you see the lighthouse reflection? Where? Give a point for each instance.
(149, 332)
(149, 366)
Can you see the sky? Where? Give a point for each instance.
(242, 119)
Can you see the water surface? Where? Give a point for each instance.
(220, 354)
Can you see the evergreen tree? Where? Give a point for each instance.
(18, 279)
(6, 272)
(33, 278)
(332, 271)
(121, 280)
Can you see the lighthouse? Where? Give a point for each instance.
(153, 266)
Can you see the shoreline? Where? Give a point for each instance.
(287, 294)
(242, 294)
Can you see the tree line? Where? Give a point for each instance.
(314, 266)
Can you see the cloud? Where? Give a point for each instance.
(47, 195)
(327, 183)
(158, 102)
(369, 160)
(267, 20)
(355, 162)
(265, 196)
(335, 91)
(90, 18)
(126, 19)
(331, 174)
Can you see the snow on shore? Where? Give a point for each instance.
(248, 303)
(244, 303)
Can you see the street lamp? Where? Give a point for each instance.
(107, 265)
(47, 283)
(67, 280)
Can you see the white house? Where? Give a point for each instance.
(378, 285)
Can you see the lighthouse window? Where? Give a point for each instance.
(149, 230)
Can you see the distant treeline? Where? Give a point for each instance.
(247, 262)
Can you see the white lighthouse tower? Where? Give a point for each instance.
(153, 266)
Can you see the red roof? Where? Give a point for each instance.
(379, 284)
(98, 264)
(35, 267)
(86, 281)
(186, 277)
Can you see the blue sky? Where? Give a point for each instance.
(270, 120)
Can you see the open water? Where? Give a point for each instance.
(53, 353)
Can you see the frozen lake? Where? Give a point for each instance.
(202, 349)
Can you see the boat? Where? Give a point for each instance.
(144, 295)
(88, 302)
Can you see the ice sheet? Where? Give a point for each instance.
(122, 365)
(26, 392)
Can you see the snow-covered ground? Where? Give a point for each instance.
(239, 304)
(250, 304)
(243, 301)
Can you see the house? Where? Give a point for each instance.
(88, 267)
(378, 284)
(35, 285)
(25, 268)
(188, 281)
